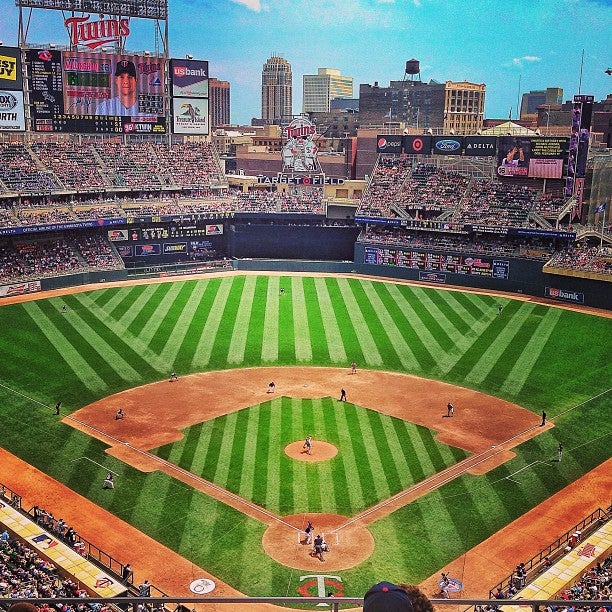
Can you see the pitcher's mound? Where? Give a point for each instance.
(320, 451)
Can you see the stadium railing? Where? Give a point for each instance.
(189, 604)
(10, 496)
(557, 548)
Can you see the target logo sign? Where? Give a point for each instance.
(417, 144)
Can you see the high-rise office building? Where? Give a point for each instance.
(219, 94)
(321, 88)
(532, 99)
(457, 106)
(276, 91)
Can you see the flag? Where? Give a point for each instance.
(601, 208)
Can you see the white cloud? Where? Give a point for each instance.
(254, 5)
(518, 61)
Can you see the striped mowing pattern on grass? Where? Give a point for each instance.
(370, 466)
(541, 358)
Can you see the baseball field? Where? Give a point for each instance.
(212, 466)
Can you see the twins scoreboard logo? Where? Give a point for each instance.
(94, 34)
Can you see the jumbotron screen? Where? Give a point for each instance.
(95, 92)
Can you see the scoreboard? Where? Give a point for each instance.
(72, 92)
(421, 260)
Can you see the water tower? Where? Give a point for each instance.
(413, 68)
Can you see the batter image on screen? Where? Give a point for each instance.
(517, 155)
(125, 102)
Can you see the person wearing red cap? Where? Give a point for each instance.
(386, 597)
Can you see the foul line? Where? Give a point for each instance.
(35, 401)
(187, 474)
(102, 466)
(581, 404)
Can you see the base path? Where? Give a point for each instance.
(157, 413)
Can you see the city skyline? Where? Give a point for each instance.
(521, 47)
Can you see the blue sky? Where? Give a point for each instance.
(495, 42)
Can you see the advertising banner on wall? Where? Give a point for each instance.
(416, 145)
(389, 144)
(10, 69)
(190, 116)
(118, 235)
(447, 145)
(12, 117)
(189, 78)
(147, 249)
(480, 146)
(215, 229)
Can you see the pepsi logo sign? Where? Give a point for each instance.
(383, 143)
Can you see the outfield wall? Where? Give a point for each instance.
(496, 273)
(84, 278)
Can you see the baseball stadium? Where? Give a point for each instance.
(278, 388)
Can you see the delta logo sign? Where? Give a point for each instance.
(94, 34)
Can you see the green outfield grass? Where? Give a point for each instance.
(115, 339)
(378, 455)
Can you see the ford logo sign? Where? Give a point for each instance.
(447, 145)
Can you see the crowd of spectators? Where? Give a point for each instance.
(74, 163)
(190, 164)
(594, 585)
(490, 245)
(597, 259)
(97, 252)
(384, 187)
(490, 202)
(24, 574)
(24, 260)
(549, 205)
(19, 171)
(296, 201)
(90, 164)
(430, 190)
(202, 201)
